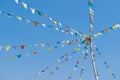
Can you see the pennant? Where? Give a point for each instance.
(7, 48)
(32, 10)
(35, 52)
(9, 15)
(60, 24)
(22, 46)
(50, 19)
(50, 26)
(76, 49)
(44, 25)
(69, 42)
(11, 57)
(19, 56)
(36, 45)
(55, 22)
(49, 49)
(19, 18)
(28, 21)
(39, 13)
(17, 1)
(107, 30)
(42, 44)
(1, 48)
(0, 12)
(36, 23)
(46, 15)
(24, 5)
(56, 28)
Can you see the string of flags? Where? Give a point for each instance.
(66, 29)
(58, 62)
(105, 63)
(84, 54)
(67, 56)
(41, 45)
(91, 15)
(54, 21)
(114, 27)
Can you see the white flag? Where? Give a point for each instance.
(17, 1)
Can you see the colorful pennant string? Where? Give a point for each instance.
(105, 63)
(54, 21)
(77, 65)
(42, 45)
(114, 27)
(69, 56)
(36, 23)
(91, 15)
(57, 68)
(85, 54)
(58, 62)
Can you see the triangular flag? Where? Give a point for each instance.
(35, 52)
(55, 22)
(19, 56)
(46, 15)
(7, 48)
(11, 57)
(36, 23)
(17, 1)
(76, 48)
(9, 15)
(39, 13)
(24, 5)
(22, 46)
(19, 18)
(50, 19)
(32, 10)
(42, 44)
(36, 45)
(44, 25)
(28, 21)
(49, 49)
(106, 30)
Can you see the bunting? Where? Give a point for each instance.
(36, 23)
(91, 15)
(59, 61)
(105, 63)
(114, 27)
(54, 21)
(24, 5)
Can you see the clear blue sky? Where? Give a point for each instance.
(70, 12)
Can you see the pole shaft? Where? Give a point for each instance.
(93, 60)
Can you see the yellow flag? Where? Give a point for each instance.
(49, 49)
(19, 18)
(76, 49)
(24, 5)
(11, 57)
(42, 44)
(55, 22)
(7, 48)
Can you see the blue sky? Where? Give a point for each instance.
(70, 12)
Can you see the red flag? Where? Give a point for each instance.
(22, 46)
(36, 23)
